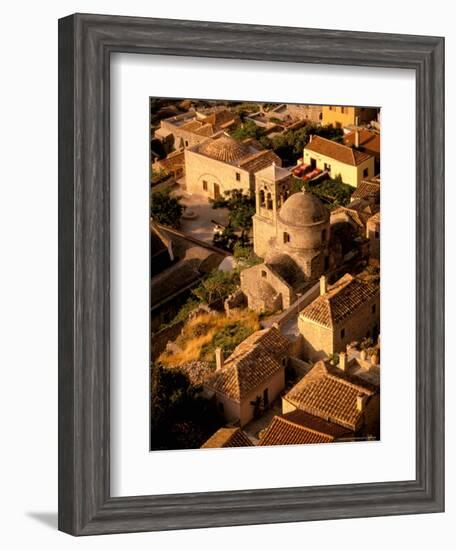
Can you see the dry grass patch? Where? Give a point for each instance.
(200, 332)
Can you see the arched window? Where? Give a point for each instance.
(261, 197)
(269, 202)
(286, 237)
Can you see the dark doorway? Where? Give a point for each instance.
(216, 191)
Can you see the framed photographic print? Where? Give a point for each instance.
(241, 340)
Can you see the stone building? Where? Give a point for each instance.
(339, 160)
(373, 234)
(311, 113)
(345, 117)
(245, 384)
(291, 231)
(356, 214)
(347, 311)
(193, 127)
(330, 394)
(223, 164)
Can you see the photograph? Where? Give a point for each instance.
(264, 274)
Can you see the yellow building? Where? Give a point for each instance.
(339, 160)
(343, 117)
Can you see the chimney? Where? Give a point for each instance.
(361, 402)
(219, 359)
(343, 363)
(323, 285)
(310, 138)
(356, 133)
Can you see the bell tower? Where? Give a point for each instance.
(273, 185)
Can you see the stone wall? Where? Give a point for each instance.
(358, 326)
(373, 234)
(274, 385)
(264, 232)
(200, 169)
(265, 290)
(312, 113)
(162, 337)
(318, 340)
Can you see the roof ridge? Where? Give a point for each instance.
(349, 383)
(301, 426)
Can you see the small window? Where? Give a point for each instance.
(204, 185)
(365, 172)
(327, 167)
(238, 176)
(342, 110)
(186, 143)
(264, 274)
(269, 202)
(374, 308)
(262, 201)
(286, 237)
(342, 333)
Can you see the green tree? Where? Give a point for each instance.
(166, 209)
(218, 285)
(290, 144)
(179, 417)
(241, 209)
(247, 129)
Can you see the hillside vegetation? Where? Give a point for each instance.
(203, 333)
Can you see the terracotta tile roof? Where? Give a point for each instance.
(368, 141)
(359, 210)
(342, 299)
(220, 118)
(329, 393)
(283, 432)
(367, 189)
(259, 160)
(252, 362)
(336, 151)
(173, 161)
(318, 424)
(227, 437)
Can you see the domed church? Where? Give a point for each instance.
(291, 232)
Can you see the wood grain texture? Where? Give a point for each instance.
(85, 45)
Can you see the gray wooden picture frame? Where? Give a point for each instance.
(85, 45)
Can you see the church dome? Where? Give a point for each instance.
(303, 209)
(225, 148)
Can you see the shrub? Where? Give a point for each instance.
(247, 129)
(166, 209)
(218, 285)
